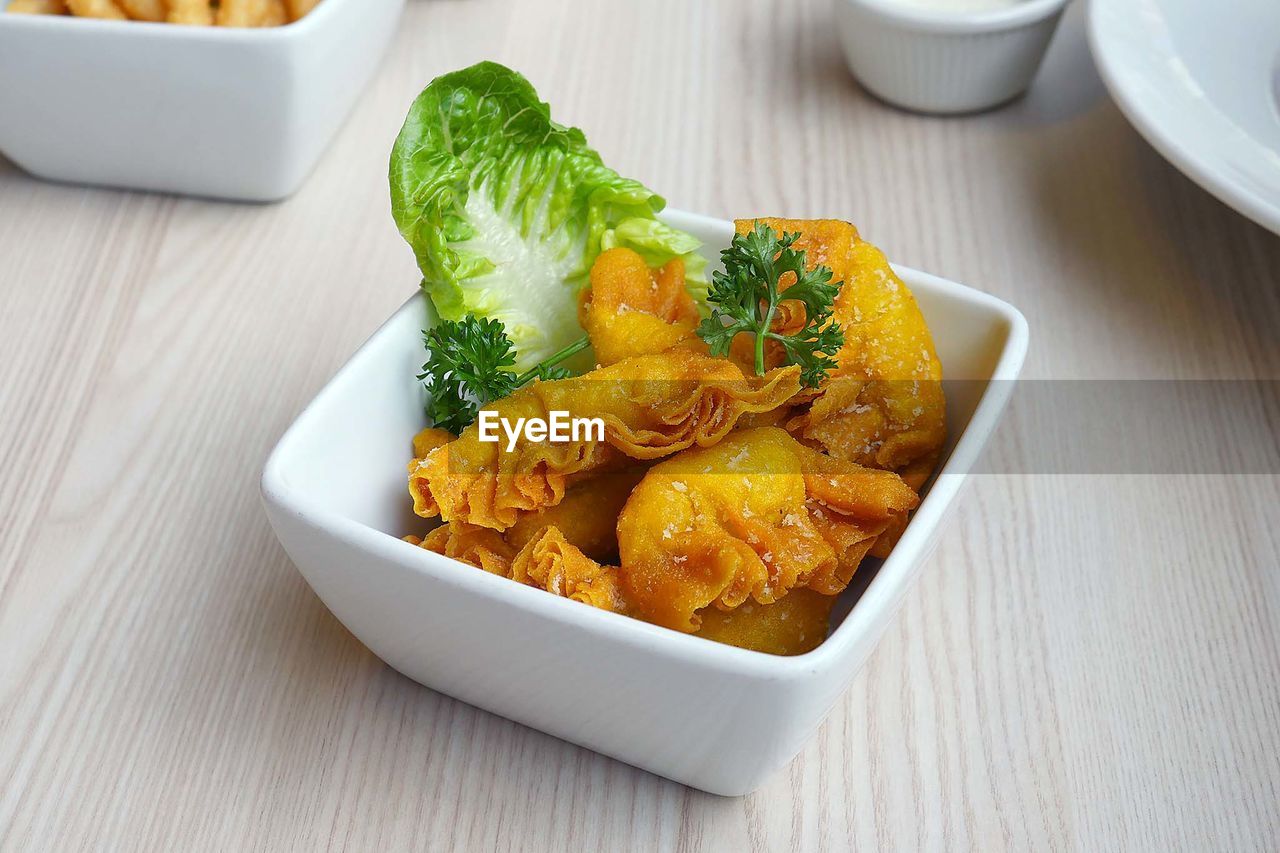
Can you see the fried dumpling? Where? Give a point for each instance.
(551, 562)
(468, 543)
(587, 517)
(651, 406)
(792, 625)
(428, 440)
(750, 518)
(883, 405)
(548, 561)
(631, 310)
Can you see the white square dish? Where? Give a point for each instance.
(222, 112)
(712, 716)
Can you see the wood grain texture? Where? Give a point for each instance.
(1089, 663)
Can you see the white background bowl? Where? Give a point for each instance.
(943, 61)
(223, 112)
(712, 716)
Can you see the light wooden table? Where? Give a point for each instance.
(1089, 662)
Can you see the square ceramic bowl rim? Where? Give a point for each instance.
(890, 582)
(284, 32)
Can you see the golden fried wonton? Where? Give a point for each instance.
(551, 562)
(753, 517)
(548, 561)
(477, 546)
(652, 406)
(428, 440)
(883, 405)
(631, 310)
(587, 517)
(792, 625)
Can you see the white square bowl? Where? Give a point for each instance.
(228, 113)
(712, 716)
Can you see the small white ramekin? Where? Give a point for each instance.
(942, 61)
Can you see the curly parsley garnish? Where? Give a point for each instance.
(469, 365)
(746, 295)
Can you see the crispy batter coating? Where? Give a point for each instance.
(551, 562)
(793, 625)
(97, 9)
(478, 546)
(233, 13)
(192, 12)
(753, 517)
(883, 406)
(145, 10)
(239, 13)
(299, 8)
(272, 14)
(631, 310)
(651, 406)
(587, 517)
(547, 561)
(37, 7)
(428, 440)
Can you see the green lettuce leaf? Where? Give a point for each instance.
(506, 210)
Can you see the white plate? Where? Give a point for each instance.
(709, 715)
(1201, 81)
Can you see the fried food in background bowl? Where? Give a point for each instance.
(225, 13)
(232, 112)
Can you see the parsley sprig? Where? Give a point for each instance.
(469, 365)
(745, 297)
